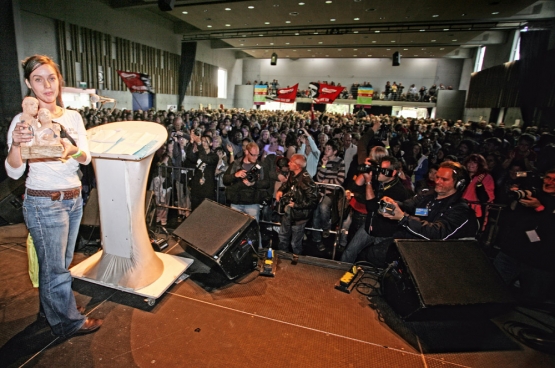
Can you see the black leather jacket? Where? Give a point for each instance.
(239, 193)
(301, 190)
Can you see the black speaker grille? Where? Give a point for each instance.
(211, 226)
(452, 273)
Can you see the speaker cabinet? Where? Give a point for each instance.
(11, 201)
(166, 5)
(227, 237)
(396, 58)
(443, 280)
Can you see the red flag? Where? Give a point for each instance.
(287, 95)
(136, 82)
(324, 93)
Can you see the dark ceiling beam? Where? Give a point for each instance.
(223, 45)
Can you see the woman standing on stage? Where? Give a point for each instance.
(53, 205)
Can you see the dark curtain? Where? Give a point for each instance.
(188, 53)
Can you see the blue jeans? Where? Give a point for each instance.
(293, 233)
(54, 226)
(321, 218)
(253, 210)
(362, 240)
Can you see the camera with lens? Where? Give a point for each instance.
(367, 168)
(382, 133)
(385, 207)
(300, 132)
(519, 194)
(254, 173)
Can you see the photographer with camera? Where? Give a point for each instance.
(246, 182)
(526, 239)
(298, 196)
(377, 229)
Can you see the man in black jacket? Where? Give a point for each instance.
(300, 195)
(527, 242)
(377, 229)
(442, 215)
(246, 182)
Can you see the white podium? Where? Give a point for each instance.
(121, 154)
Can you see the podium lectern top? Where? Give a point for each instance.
(126, 140)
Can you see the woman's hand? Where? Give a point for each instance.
(69, 149)
(21, 134)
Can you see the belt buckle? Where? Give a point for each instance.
(55, 196)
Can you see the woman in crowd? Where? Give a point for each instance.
(481, 187)
(203, 184)
(53, 205)
(427, 185)
(417, 163)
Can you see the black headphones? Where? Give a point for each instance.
(460, 174)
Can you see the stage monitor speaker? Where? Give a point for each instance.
(439, 280)
(166, 5)
(273, 60)
(396, 58)
(11, 201)
(225, 236)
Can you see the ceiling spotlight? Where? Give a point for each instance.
(422, 30)
(328, 2)
(373, 41)
(435, 16)
(338, 49)
(228, 25)
(445, 29)
(308, 50)
(227, 9)
(356, 19)
(266, 22)
(301, 4)
(405, 49)
(393, 41)
(433, 40)
(355, 49)
(297, 33)
(376, 31)
(287, 43)
(294, 50)
(209, 26)
(495, 13)
(320, 42)
(250, 7)
(454, 40)
(463, 15)
(355, 32)
(185, 12)
(442, 48)
(260, 35)
(355, 55)
(332, 20)
(242, 44)
(287, 21)
(315, 32)
(271, 43)
(369, 55)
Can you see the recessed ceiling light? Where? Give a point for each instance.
(287, 21)
(294, 50)
(315, 32)
(355, 49)
(271, 43)
(454, 40)
(228, 25)
(369, 55)
(422, 30)
(495, 13)
(373, 41)
(308, 50)
(297, 33)
(355, 32)
(328, 2)
(242, 44)
(433, 40)
(463, 15)
(320, 42)
(332, 20)
(260, 35)
(393, 41)
(338, 49)
(445, 29)
(209, 26)
(185, 12)
(266, 22)
(287, 43)
(228, 9)
(442, 48)
(355, 55)
(405, 49)
(276, 5)
(356, 19)
(251, 7)
(294, 14)
(301, 4)
(244, 36)
(415, 55)
(376, 31)
(388, 49)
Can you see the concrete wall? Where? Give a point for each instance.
(499, 53)
(422, 72)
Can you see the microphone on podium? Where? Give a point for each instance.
(96, 98)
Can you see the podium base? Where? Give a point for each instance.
(174, 267)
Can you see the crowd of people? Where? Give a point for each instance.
(256, 161)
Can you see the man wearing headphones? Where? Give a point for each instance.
(442, 215)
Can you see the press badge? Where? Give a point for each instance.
(421, 212)
(533, 236)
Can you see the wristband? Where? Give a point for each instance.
(78, 154)
(540, 208)
(323, 166)
(231, 153)
(369, 183)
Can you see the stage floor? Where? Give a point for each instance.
(296, 319)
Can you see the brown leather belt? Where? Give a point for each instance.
(56, 195)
